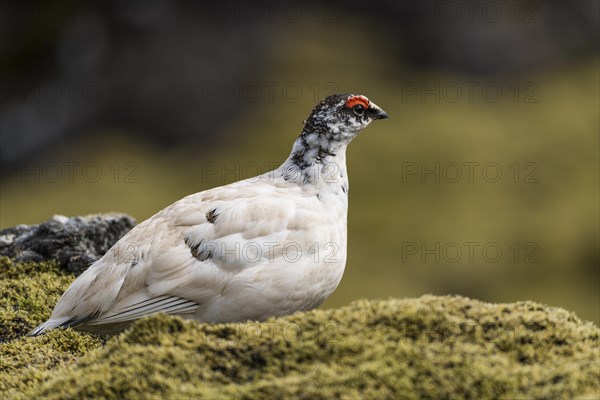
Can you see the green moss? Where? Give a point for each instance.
(28, 293)
(430, 347)
(26, 363)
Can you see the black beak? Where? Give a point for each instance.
(378, 113)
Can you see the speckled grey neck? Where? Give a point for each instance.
(322, 143)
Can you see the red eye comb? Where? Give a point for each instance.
(354, 100)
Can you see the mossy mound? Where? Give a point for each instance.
(431, 347)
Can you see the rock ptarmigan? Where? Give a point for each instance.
(257, 248)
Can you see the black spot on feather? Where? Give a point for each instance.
(212, 216)
(201, 255)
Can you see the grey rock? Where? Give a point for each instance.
(74, 242)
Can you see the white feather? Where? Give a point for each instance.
(261, 247)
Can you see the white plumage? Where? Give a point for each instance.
(266, 246)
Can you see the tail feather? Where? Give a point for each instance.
(51, 324)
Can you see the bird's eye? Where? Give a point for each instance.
(359, 109)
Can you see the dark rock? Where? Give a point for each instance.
(74, 242)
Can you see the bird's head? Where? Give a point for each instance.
(340, 117)
(331, 125)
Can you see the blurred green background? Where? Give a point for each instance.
(196, 98)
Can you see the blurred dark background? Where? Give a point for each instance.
(484, 182)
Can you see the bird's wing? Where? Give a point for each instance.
(183, 257)
(148, 306)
